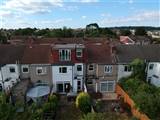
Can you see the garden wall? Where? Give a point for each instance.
(130, 102)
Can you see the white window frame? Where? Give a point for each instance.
(66, 57)
(77, 68)
(25, 66)
(61, 71)
(12, 67)
(108, 67)
(78, 50)
(44, 70)
(107, 82)
(150, 66)
(127, 68)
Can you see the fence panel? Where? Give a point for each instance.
(131, 103)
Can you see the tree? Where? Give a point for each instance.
(106, 32)
(125, 32)
(51, 105)
(7, 111)
(138, 69)
(92, 30)
(3, 37)
(140, 31)
(83, 102)
(92, 26)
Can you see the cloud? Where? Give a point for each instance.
(57, 21)
(70, 8)
(144, 16)
(87, 1)
(5, 13)
(31, 6)
(106, 15)
(83, 17)
(130, 1)
(82, 1)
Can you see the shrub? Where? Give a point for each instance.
(94, 116)
(83, 102)
(51, 105)
(138, 67)
(98, 106)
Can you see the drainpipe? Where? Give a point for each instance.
(96, 88)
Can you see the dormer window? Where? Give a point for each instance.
(65, 55)
(79, 52)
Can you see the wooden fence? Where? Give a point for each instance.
(131, 103)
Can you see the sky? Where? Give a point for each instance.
(78, 13)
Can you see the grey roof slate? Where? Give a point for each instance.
(127, 53)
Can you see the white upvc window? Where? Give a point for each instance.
(107, 86)
(108, 69)
(41, 70)
(151, 66)
(25, 69)
(64, 54)
(12, 69)
(79, 67)
(79, 52)
(62, 69)
(127, 68)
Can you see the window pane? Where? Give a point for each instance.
(125, 68)
(64, 70)
(79, 67)
(90, 67)
(12, 70)
(103, 86)
(25, 69)
(60, 70)
(79, 52)
(151, 66)
(108, 69)
(110, 87)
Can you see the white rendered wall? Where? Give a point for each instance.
(122, 73)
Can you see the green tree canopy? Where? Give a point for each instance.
(138, 69)
(125, 32)
(140, 31)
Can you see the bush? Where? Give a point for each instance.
(51, 105)
(94, 116)
(98, 106)
(83, 102)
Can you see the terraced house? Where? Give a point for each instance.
(68, 67)
(125, 54)
(36, 64)
(10, 56)
(101, 70)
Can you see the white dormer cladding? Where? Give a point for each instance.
(124, 70)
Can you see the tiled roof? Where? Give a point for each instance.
(37, 54)
(10, 54)
(99, 53)
(127, 53)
